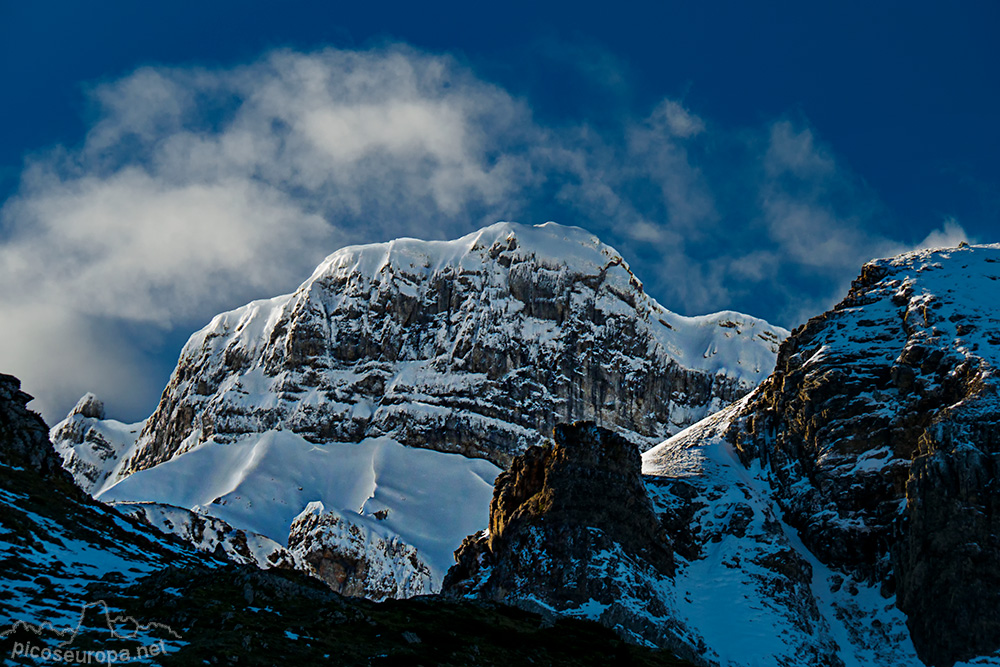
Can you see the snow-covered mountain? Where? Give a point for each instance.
(394, 382)
(90, 444)
(471, 346)
(879, 428)
(416, 500)
(843, 513)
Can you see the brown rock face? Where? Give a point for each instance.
(572, 525)
(590, 478)
(946, 560)
(879, 427)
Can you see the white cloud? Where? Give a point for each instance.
(131, 247)
(949, 236)
(795, 152)
(197, 190)
(657, 152)
(55, 350)
(677, 120)
(643, 230)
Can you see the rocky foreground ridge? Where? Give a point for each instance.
(77, 576)
(572, 532)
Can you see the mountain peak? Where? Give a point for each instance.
(550, 243)
(453, 334)
(89, 406)
(875, 439)
(427, 349)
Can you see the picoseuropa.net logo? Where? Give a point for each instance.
(128, 640)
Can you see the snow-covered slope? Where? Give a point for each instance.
(745, 585)
(211, 535)
(59, 548)
(875, 439)
(424, 499)
(91, 446)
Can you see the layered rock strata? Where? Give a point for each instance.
(473, 346)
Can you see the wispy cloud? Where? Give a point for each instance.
(950, 235)
(196, 190)
(822, 222)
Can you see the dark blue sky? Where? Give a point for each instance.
(741, 155)
(907, 93)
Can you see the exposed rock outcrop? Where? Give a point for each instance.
(879, 431)
(355, 558)
(948, 549)
(56, 541)
(24, 437)
(89, 406)
(91, 445)
(572, 530)
(211, 535)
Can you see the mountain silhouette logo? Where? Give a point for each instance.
(121, 627)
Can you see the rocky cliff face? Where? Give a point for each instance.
(472, 346)
(571, 529)
(844, 513)
(878, 431)
(355, 558)
(24, 439)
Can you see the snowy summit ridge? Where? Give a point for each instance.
(433, 343)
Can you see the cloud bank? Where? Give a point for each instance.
(197, 190)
